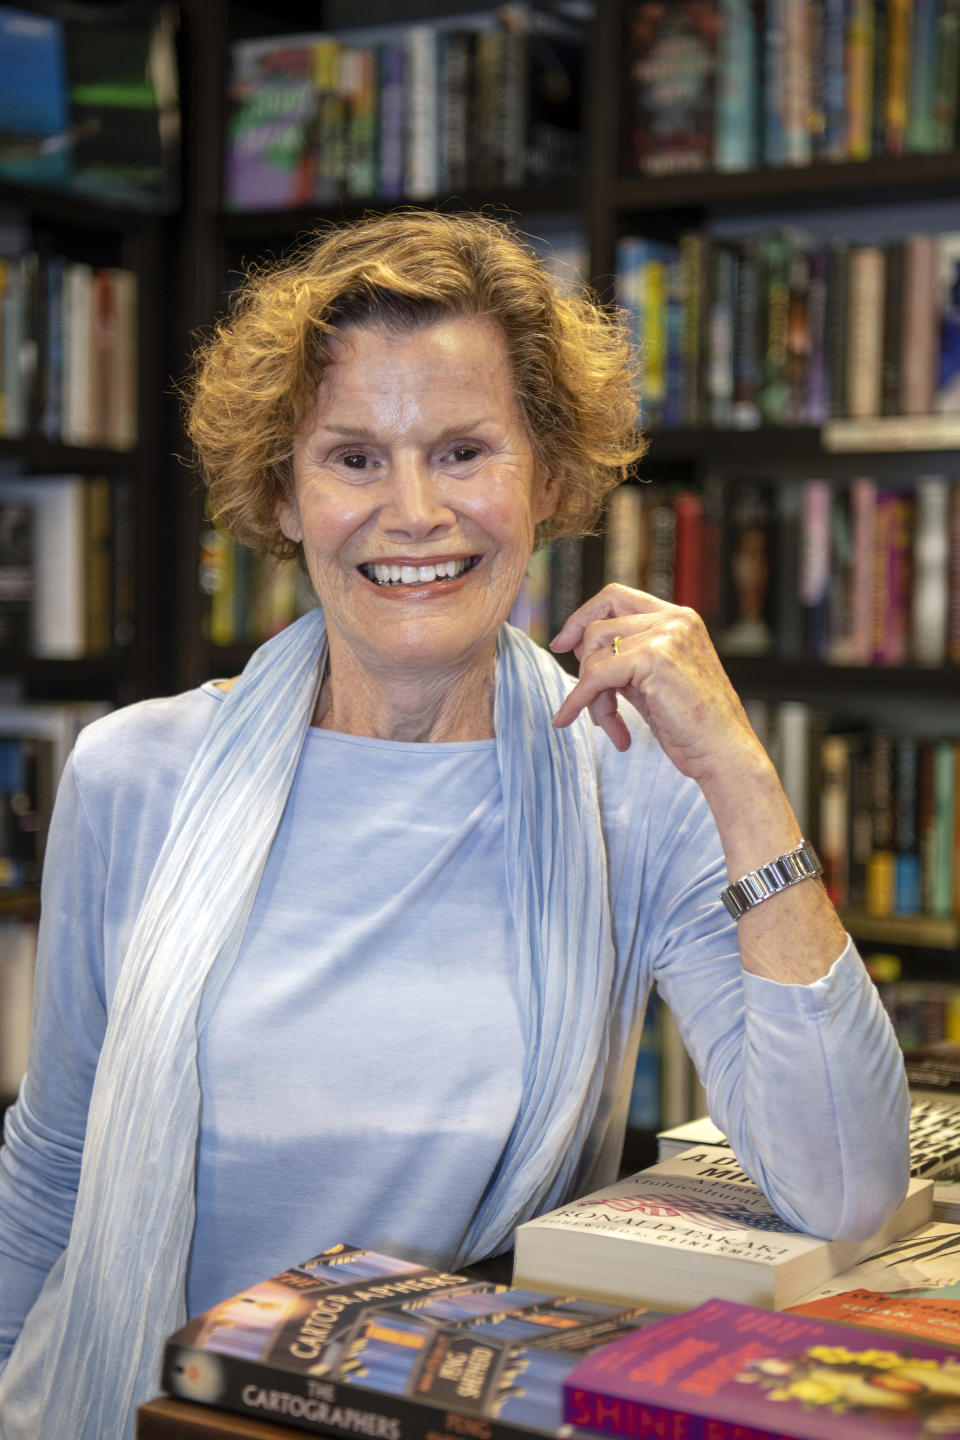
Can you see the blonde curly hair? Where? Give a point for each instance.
(254, 379)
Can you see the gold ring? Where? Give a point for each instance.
(615, 645)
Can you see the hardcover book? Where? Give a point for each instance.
(671, 86)
(725, 1370)
(686, 1229)
(355, 1342)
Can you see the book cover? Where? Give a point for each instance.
(549, 50)
(270, 149)
(672, 56)
(911, 1286)
(725, 1370)
(749, 551)
(34, 109)
(356, 1342)
(685, 1229)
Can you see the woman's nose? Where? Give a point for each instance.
(415, 503)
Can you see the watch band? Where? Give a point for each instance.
(803, 863)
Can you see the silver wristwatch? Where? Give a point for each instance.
(800, 864)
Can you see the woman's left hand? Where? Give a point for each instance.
(668, 668)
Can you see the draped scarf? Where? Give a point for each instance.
(91, 1346)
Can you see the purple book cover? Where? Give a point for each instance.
(736, 1369)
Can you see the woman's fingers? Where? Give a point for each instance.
(612, 602)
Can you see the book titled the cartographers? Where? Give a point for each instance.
(353, 1342)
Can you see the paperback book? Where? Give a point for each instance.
(685, 1230)
(911, 1286)
(355, 1342)
(735, 1372)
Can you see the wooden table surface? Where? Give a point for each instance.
(165, 1419)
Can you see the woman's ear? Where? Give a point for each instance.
(287, 512)
(547, 496)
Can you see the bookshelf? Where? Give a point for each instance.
(82, 437)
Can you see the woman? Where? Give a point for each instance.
(358, 947)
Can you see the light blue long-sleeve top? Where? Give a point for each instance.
(362, 1069)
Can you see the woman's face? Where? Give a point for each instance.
(416, 494)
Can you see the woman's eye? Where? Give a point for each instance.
(464, 453)
(355, 462)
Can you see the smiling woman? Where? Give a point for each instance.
(359, 951)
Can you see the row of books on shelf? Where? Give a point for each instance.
(845, 572)
(923, 1012)
(733, 85)
(882, 807)
(35, 740)
(782, 327)
(489, 100)
(67, 566)
(68, 351)
(673, 1303)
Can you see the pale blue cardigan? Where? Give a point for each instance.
(791, 1071)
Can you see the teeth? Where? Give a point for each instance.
(415, 574)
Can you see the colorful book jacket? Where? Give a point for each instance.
(725, 1370)
(353, 1342)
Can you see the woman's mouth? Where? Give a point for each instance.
(417, 574)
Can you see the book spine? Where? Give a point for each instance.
(455, 102)
(945, 786)
(817, 398)
(833, 837)
(946, 78)
(863, 502)
(906, 825)
(897, 95)
(693, 254)
(797, 140)
(720, 307)
(315, 1404)
(745, 412)
(923, 71)
(735, 123)
(688, 550)
(390, 139)
(894, 314)
(930, 577)
(623, 537)
(834, 145)
(774, 45)
(798, 336)
(815, 565)
(838, 295)
(879, 86)
(880, 877)
(860, 41)
(947, 396)
(953, 602)
(865, 331)
(421, 120)
(919, 325)
(774, 394)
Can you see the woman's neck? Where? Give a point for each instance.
(438, 706)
